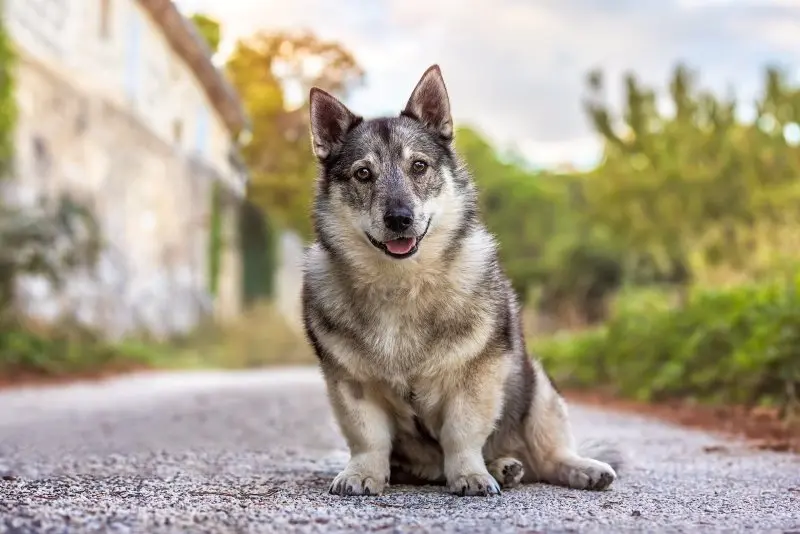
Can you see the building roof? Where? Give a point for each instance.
(187, 42)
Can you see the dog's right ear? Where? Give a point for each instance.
(330, 123)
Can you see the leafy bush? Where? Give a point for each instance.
(50, 240)
(739, 345)
(26, 350)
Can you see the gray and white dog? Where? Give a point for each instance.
(415, 325)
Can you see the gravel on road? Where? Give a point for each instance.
(255, 451)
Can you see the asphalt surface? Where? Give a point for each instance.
(255, 452)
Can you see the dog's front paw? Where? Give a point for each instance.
(475, 484)
(589, 474)
(350, 482)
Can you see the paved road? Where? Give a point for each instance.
(255, 451)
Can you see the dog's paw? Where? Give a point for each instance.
(588, 474)
(507, 471)
(349, 483)
(476, 484)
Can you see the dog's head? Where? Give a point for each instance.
(390, 183)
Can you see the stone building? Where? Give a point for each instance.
(121, 106)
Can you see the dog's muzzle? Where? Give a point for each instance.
(402, 247)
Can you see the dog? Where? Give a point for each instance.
(415, 325)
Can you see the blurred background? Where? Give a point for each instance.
(638, 161)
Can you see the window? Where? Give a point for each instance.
(105, 19)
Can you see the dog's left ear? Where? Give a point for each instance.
(430, 105)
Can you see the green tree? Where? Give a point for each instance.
(545, 244)
(209, 28)
(680, 193)
(695, 190)
(515, 205)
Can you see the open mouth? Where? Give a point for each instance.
(402, 247)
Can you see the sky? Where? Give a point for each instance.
(516, 69)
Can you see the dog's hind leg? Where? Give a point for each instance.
(507, 471)
(552, 454)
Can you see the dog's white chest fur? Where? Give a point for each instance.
(396, 326)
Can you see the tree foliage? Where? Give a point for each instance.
(685, 189)
(49, 241)
(265, 68)
(209, 28)
(548, 248)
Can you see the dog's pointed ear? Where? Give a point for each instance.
(429, 103)
(330, 123)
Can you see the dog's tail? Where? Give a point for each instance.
(605, 451)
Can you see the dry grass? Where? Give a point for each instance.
(261, 337)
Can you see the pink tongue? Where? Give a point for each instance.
(401, 246)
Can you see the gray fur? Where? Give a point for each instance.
(423, 355)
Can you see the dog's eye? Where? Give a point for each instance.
(419, 167)
(363, 174)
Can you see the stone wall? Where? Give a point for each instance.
(152, 202)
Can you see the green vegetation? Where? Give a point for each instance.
(261, 337)
(702, 206)
(26, 352)
(209, 29)
(555, 256)
(693, 197)
(259, 246)
(725, 346)
(215, 240)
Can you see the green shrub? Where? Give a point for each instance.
(66, 350)
(738, 345)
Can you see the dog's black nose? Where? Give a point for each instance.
(398, 219)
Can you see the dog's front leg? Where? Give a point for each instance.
(368, 430)
(472, 406)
